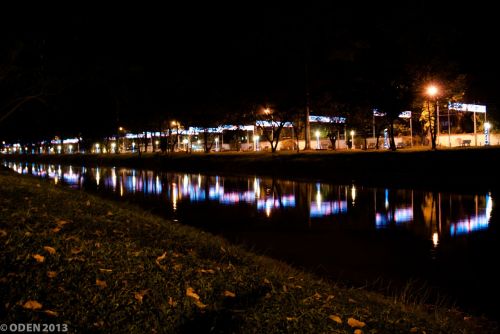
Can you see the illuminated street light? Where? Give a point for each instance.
(433, 91)
(352, 138)
(216, 144)
(70, 148)
(317, 140)
(113, 147)
(176, 124)
(97, 148)
(256, 142)
(487, 127)
(59, 149)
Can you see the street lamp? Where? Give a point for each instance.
(487, 127)
(216, 144)
(317, 140)
(176, 124)
(352, 138)
(433, 91)
(256, 142)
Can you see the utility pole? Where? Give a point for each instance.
(307, 136)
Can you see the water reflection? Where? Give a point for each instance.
(431, 214)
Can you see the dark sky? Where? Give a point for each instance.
(164, 58)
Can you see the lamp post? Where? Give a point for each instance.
(318, 146)
(256, 142)
(176, 124)
(487, 127)
(352, 138)
(432, 91)
(216, 144)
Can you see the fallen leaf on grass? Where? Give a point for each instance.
(109, 213)
(88, 203)
(3, 233)
(159, 258)
(358, 331)
(177, 267)
(266, 281)
(206, 271)
(32, 305)
(140, 295)
(56, 229)
(75, 251)
(413, 330)
(191, 294)
(355, 323)
(51, 313)
(51, 274)
(100, 283)
(50, 250)
(229, 294)
(291, 318)
(335, 318)
(39, 258)
(102, 270)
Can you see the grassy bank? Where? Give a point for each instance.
(451, 168)
(73, 258)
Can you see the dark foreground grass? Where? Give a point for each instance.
(101, 266)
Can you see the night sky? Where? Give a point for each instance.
(97, 68)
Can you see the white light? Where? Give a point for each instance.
(432, 90)
(185, 141)
(435, 239)
(487, 125)
(216, 140)
(352, 133)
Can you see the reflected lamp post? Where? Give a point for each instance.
(352, 138)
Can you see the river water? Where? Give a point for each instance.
(444, 243)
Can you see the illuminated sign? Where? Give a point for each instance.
(467, 107)
(405, 114)
(326, 119)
